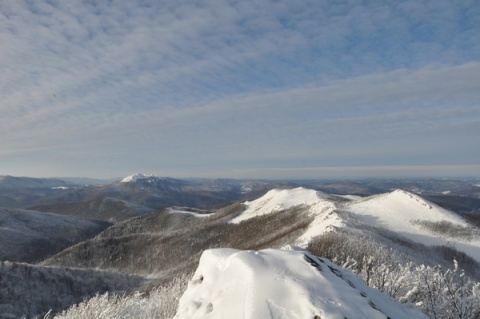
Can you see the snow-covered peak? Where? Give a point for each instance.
(417, 219)
(277, 284)
(280, 199)
(135, 177)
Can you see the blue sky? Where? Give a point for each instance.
(263, 89)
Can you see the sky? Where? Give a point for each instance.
(241, 89)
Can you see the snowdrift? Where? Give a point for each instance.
(279, 284)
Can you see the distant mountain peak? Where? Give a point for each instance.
(138, 176)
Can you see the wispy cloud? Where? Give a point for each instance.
(238, 84)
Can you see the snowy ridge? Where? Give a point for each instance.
(280, 284)
(398, 211)
(280, 199)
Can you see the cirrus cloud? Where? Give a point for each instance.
(186, 87)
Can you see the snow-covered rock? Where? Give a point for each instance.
(281, 284)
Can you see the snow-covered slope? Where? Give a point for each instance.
(280, 284)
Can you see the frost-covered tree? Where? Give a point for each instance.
(440, 293)
(159, 303)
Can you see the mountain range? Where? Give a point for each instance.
(153, 230)
(142, 193)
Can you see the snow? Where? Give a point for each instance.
(277, 200)
(135, 177)
(183, 210)
(280, 284)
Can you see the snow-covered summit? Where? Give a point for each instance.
(280, 284)
(398, 209)
(135, 177)
(409, 215)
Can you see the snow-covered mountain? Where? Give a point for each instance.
(282, 216)
(101, 199)
(138, 176)
(277, 284)
(388, 232)
(295, 284)
(417, 219)
(406, 214)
